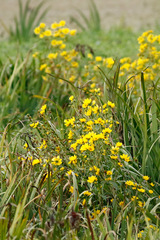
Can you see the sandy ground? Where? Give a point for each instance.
(133, 13)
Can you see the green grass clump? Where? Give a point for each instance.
(28, 18)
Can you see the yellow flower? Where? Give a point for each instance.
(70, 135)
(113, 157)
(68, 122)
(112, 105)
(126, 59)
(89, 55)
(121, 203)
(86, 102)
(62, 46)
(47, 33)
(56, 161)
(62, 23)
(41, 35)
(47, 70)
(36, 161)
(91, 148)
(118, 144)
(44, 78)
(34, 125)
(125, 66)
(114, 150)
(141, 190)
(43, 66)
(54, 25)
(74, 64)
(95, 109)
(72, 78)
(58, 149)
(109, 173)
(153, 227)
(140, 234)
(52, 55)
(43, 145)
(25, 146)
(69, 172)
(93, 85)
(134, 198)
(84, 147)
(94, 214)
(129, 183)
(42, 25)
(84, 202)
(65, 30)
(108, 179)
(150, 191)
(96, 169)
(54, 42)
(92, 179)
(120, 164)
(88, 112)
(87, 193)
(146, 178)
(34, 55)
(98, 59)
(73, 159)
(73, 146)
(37, 30)
(73, 32)
(109, 62)
(43, 108)
(82, 120)
(141, 204)
(106, 130)
(99, 121)
(71, 189)
(125, 157)
(90, 123)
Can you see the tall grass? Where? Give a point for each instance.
(28, 18)
(19, 82)
(139, 132)
(93, 23)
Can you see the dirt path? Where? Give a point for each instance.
(134, 13)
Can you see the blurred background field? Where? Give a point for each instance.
(135, 14)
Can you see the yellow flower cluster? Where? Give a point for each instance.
(66, 63)
(34, 125)
(43, 108)
(148, 61)
(56, 29)
(90, 150)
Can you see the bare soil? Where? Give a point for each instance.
(133, 13)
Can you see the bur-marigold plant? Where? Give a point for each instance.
(81, 156)
(87, 160)
(148, 61)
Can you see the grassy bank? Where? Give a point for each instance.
(80, 138)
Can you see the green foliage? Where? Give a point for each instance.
(93, 23)
(27, 20)
(19, 82)
(140, 133)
